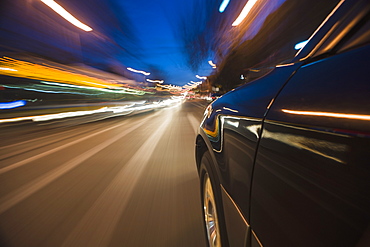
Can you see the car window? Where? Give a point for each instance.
(361, 36)
(275, 42)
(348, 32)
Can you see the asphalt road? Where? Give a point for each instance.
(123, 181)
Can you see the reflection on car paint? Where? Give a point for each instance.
(329, 114)
(317, 146)
(216, 134)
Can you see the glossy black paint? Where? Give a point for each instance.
(314, 170)
(233, 129)
(290, 150)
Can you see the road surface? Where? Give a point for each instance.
(123, 181)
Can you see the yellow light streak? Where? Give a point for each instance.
(66, 15)
(228, 109)
(329, 114)
(22, 69)
(248, 6)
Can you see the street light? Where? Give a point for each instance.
(66, 15)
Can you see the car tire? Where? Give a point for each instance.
(211, 204)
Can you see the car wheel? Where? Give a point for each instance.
(212, 213)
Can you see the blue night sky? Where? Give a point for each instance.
(157, 36)
(154, 24)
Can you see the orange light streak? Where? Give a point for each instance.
(329, 114)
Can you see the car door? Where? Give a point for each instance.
(311, 178)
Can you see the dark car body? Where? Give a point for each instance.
(288, 155)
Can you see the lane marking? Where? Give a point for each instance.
(98, 224)
(62, 136)
(38, 156)
(27, 190)
(35, 139)
(193, 122)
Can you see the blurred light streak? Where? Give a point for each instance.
(212, 64)
(229, 109)
(45, 90)
(11, 105)
(138, 71)
(171, 87)
(319, 28)
(121, 90)
(114, 109)
(248, 6)
(9, 69)
(223, 5)
(155, 81)
(66, 15)
(201, 77)
(44, 72)
(284, 65)
(300, 45)
(329, 114)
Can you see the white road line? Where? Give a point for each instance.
(35, 139)
(199, 105)
(38, 156)
(98, 224)
(25, 191)
(193, 122)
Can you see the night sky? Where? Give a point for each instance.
(173, 40)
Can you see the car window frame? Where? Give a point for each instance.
(341, 32)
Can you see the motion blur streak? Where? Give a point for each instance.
(66, 15)
(32, 187)
(329, 114)
(223, 5)
(51, 151)
(30, 70)
(116, 109)
(249, 5)
(11, 105)
(95, 228)
(132, 175)
(138, 71)
(193, 121)
(300, 45)
(9, 69)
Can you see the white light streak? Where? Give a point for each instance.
(66, 15)
(201, 77)
(116, 109)
(244, 12)
(212, 64)
(138, 71)
(155, 81)
(9, 69)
